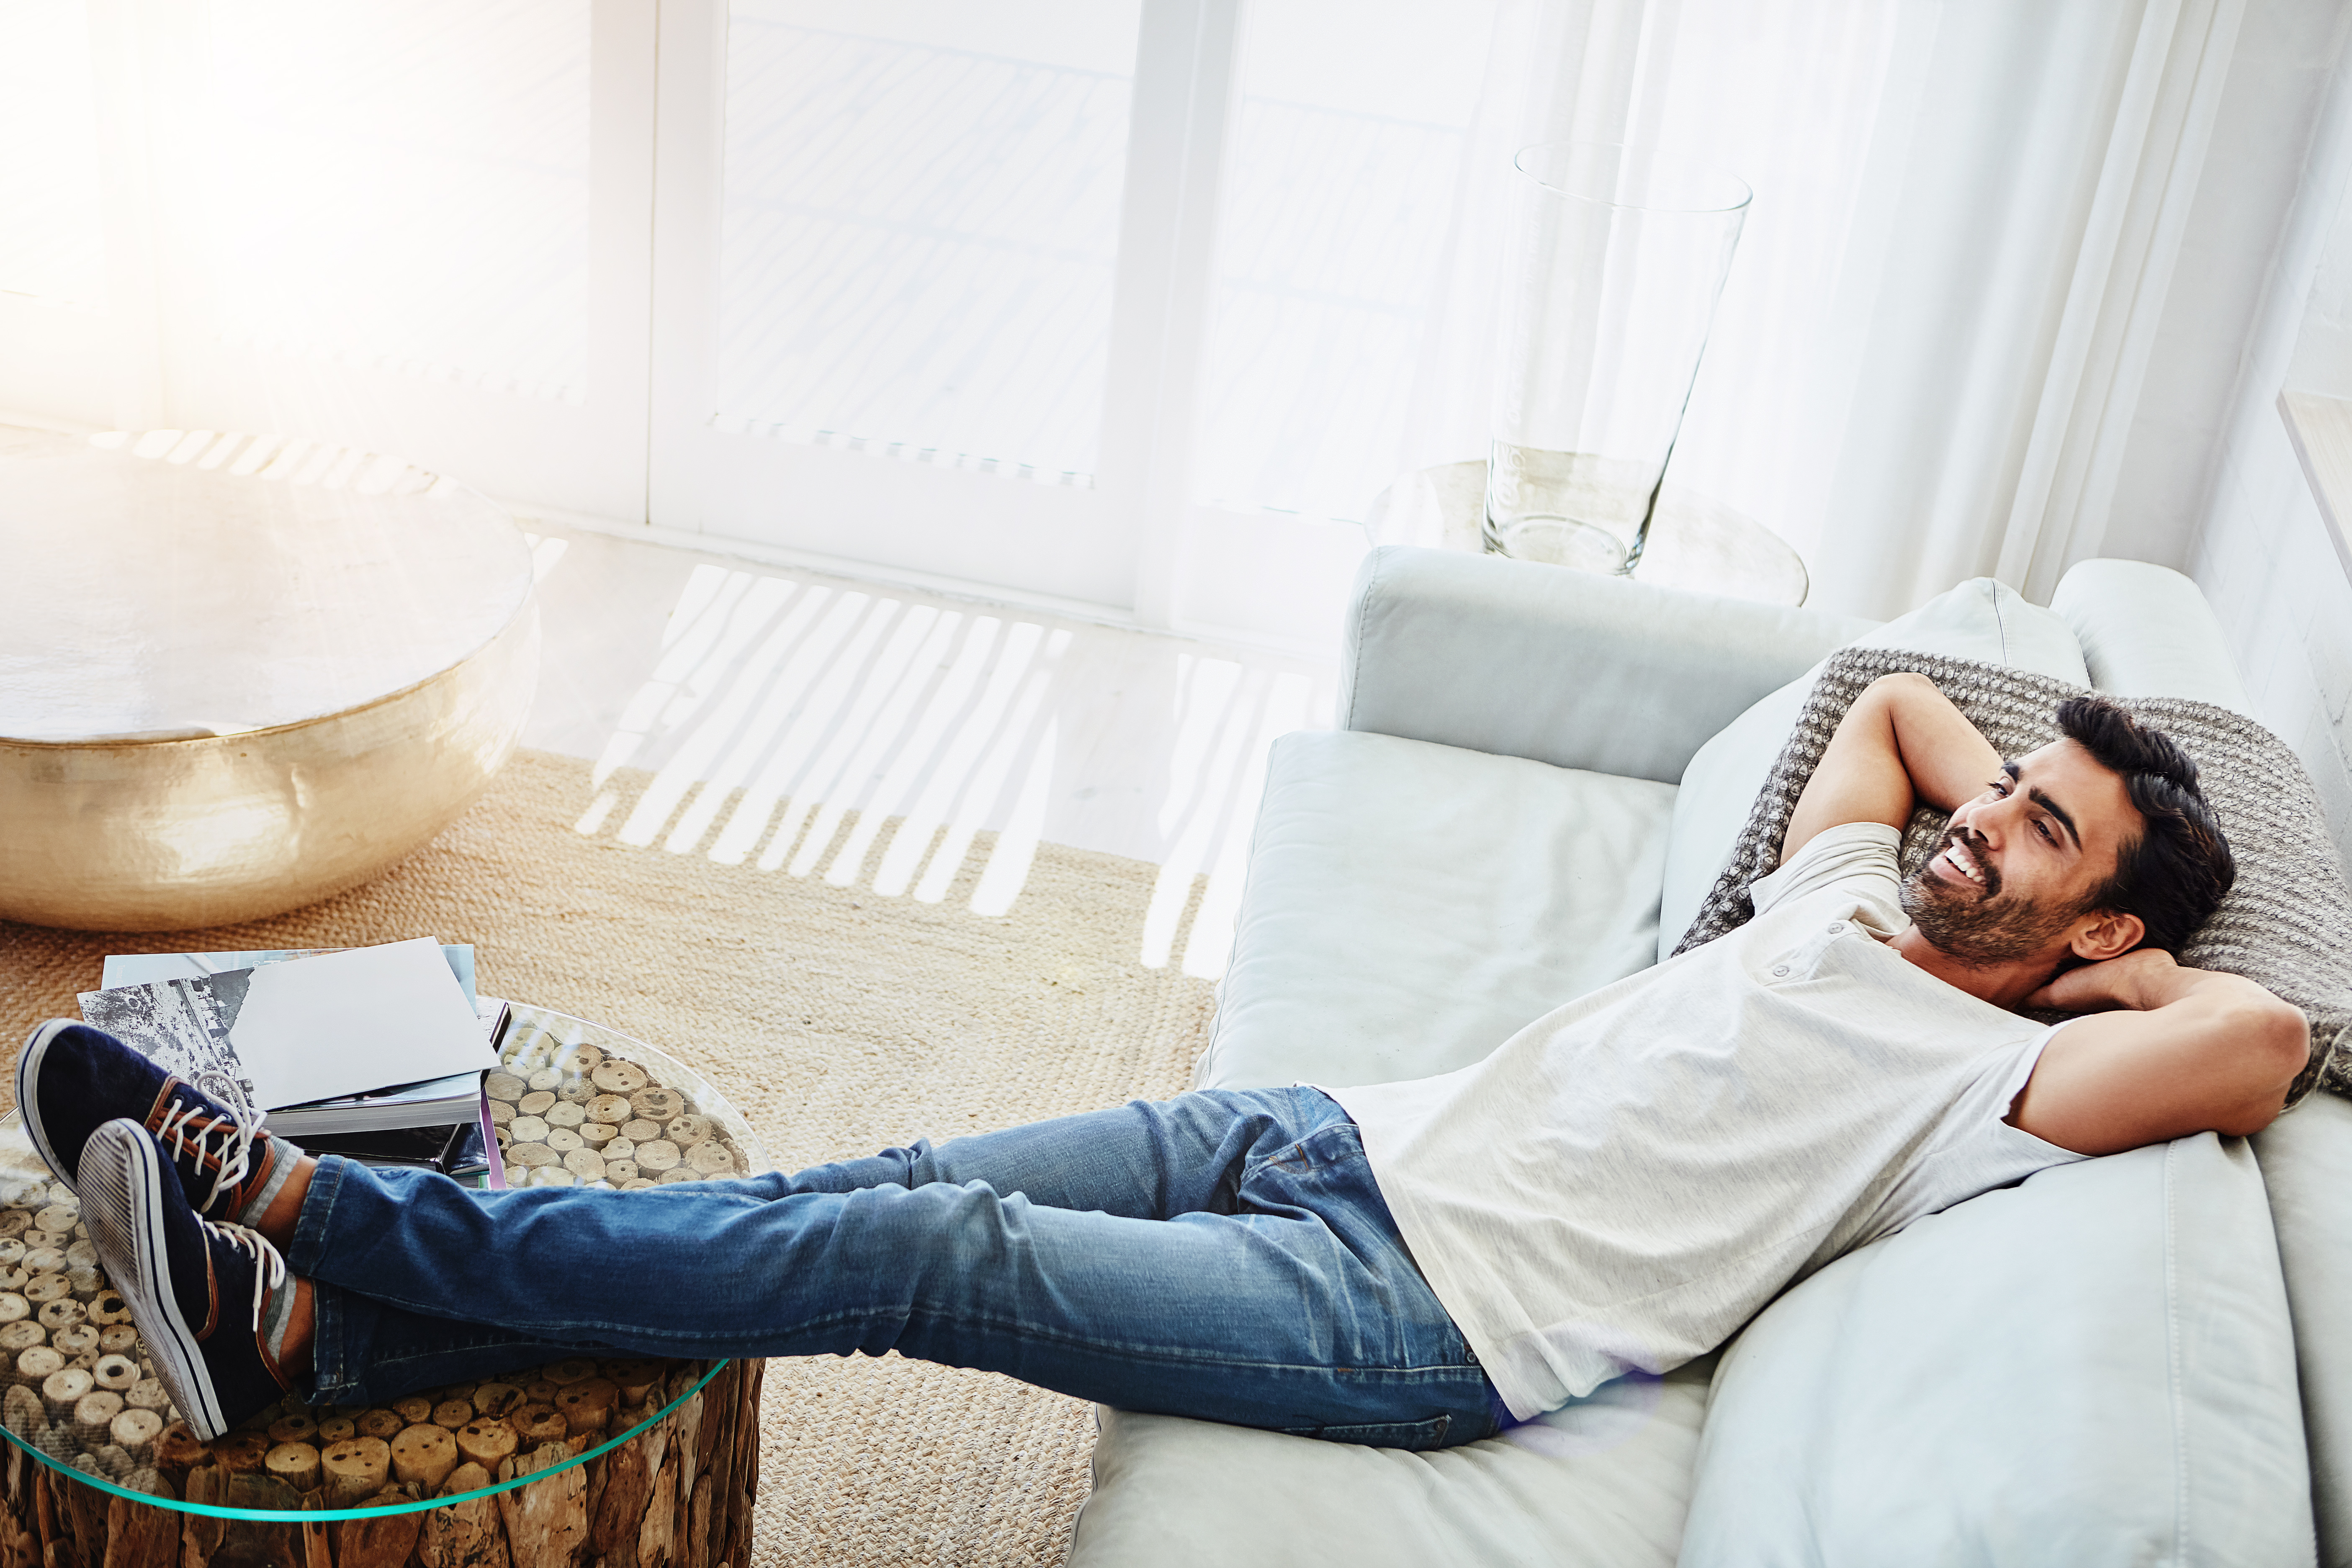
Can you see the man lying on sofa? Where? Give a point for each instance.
(1618, 1186)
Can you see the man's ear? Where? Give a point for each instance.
(2105, 934)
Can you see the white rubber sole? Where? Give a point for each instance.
(123, 1199)
(28, 1105)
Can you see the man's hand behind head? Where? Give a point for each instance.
(2130, 982)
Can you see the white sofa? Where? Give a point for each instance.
(2143, 1359)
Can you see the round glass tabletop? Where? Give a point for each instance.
(1695, 543)
(573, 1102)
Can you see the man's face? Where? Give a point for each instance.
(2018, 865)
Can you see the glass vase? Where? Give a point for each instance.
(1617, 257)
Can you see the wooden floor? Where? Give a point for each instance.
(771, 703)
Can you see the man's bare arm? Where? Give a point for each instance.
(1901, 743)
(2183, 1051)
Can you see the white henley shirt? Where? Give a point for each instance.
(1628, 1180)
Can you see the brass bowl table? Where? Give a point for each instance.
(240, 674)
(622, 1463)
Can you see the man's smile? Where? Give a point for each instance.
(1964, 861)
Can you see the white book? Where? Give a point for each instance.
(138, 968)
(437, 1102)
(338, 1024)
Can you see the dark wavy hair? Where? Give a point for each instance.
(2175, 874)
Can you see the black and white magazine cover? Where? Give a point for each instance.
(182, 1026)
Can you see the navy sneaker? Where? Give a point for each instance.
(72, 1079)
(196, 1289)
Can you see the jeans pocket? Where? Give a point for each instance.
(1412, 1435)
(1334, 1147)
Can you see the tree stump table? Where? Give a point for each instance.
(583, 1463)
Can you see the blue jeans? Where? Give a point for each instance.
(1223, 1255)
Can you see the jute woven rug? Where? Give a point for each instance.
(838, 1023)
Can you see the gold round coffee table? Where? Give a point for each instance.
(635, 1463)
(240, 673)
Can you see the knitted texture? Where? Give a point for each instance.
(2287, 922)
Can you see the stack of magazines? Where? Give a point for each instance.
(376, 1053)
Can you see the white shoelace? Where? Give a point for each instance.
(180, 1134)
(265, 1257)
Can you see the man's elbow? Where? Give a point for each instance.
(1897, 684)
(2274, 1046)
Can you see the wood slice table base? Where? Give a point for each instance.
(674, 1492)
(577, 1464)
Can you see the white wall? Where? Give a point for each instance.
(2260, 549)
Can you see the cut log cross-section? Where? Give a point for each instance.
(357, 1469)
(296, 1463)
(423, 1457)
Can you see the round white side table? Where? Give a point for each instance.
(1695, 543)
(240, 674)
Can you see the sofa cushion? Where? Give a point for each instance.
(2148, 632)
(1599, 1483)
(1566, 668)
(1981, 619)
(2092, 1368)
(2307, 1160)
(1411, 905)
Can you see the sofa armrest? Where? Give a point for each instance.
(1565, 667)
(2148, 632)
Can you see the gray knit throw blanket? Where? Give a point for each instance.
(2287, 923)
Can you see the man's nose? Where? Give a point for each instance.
(1992, 819)
(1981, 819)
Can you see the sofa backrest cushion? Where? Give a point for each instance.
(1981, 619)
(2094, 1367)
(1520, 659)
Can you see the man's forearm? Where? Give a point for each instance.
(2167, 1051)
(1947, 760)
(2150, 979)
(1900, 742)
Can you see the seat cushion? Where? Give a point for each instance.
(1981, 619)
(1411, 905)
(1600, 1483)
(2094, 1368)
(2307, 1160)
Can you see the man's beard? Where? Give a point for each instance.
(1974, 924)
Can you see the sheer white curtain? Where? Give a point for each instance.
(1927, 356)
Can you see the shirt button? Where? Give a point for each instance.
(1780, 970)
(1836, 928)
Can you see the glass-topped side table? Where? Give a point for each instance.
(635, 1462)
(1695, 543)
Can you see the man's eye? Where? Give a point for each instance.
(2043, 828)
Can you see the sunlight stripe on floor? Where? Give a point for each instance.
(987, 780)
(904, 858)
